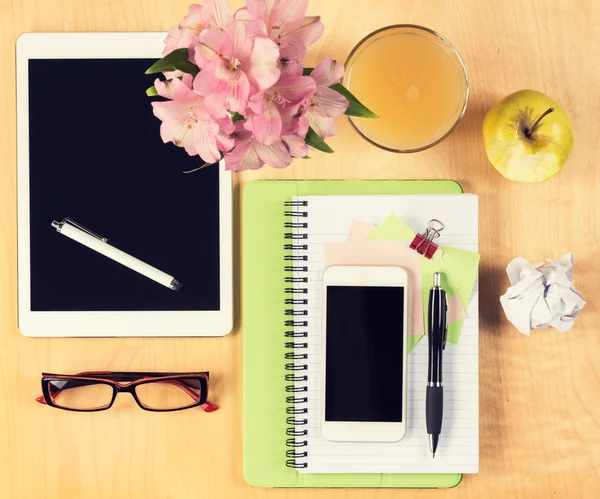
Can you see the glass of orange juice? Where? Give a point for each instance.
(414, 80)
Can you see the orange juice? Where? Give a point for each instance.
(414, 80)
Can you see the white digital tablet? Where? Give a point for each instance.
(89, 149)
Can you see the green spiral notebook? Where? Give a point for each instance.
(267, 429)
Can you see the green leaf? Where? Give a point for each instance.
(313, 140)
(201, 167)
(356, 108)
(151, 92)
(176, 60)
(307, 71)
(237, 117)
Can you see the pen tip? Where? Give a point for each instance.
(176, 285)
(433, 454)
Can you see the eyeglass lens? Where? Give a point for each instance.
(155, 394)
(80, 394)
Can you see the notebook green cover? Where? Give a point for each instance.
(263, 317)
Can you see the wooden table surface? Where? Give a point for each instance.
(540, 396)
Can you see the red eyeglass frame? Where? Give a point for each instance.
(127, 382)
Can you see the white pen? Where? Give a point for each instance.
(88, 238)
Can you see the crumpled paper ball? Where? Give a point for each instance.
(542, 295)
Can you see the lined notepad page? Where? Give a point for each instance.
(328, 220)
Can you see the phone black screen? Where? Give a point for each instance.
(364, 353)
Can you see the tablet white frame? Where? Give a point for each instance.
(101, 324)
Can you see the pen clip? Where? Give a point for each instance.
(72, 222)
(445, 339)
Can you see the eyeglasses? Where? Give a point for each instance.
(97, 391)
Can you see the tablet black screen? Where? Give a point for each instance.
(96, 156)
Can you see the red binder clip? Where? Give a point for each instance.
(423, 243)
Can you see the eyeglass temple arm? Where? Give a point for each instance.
(206, 407)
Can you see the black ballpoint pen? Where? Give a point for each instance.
(437, 334)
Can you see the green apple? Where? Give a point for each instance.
(528, 136)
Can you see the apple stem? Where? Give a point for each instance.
(537, 122)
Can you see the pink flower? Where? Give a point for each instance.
(286, 24)
(293, 135)
(214, 14)
(235, 64)
(319, 109)
(166, 89)
(267, 106)
(250, 154)
(186, 123)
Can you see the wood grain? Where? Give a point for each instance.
(540, 396)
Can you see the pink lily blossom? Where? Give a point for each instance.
(186, 123)
(165, 88)
(235, 64)
(285, 23)
(214, 14)
(293, 135)
(319, 109)
(250, 154)
(267, 106)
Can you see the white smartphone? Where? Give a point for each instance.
(364, 354)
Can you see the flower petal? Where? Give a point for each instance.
(186, 33)
(292, 48)
(323, 126)
(241, 38)
(180, 134)
(172, 40)
(296, 145)
(218, 13)
(288, 14)
(194, 19)
(260, 10)
(328, 102)
(220, 84)
(266, 125)
(205, 141)
(294, 89)
(225, 143)
(263, 69)
(302, 126)
(291, 68)
(173, 110)
(328, 72)
(226, 125)
(175, 88)
(275, 155)
(164, 88)
(186, 78)
(192, 25)
(295, 125)
(208, 46)
(215, 107)
(310, 30)
(243, 157)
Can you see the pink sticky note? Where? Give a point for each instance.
(395, 253)
(359, 231)
(456, 311)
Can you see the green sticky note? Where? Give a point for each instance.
(459, 271)
(458, 268)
